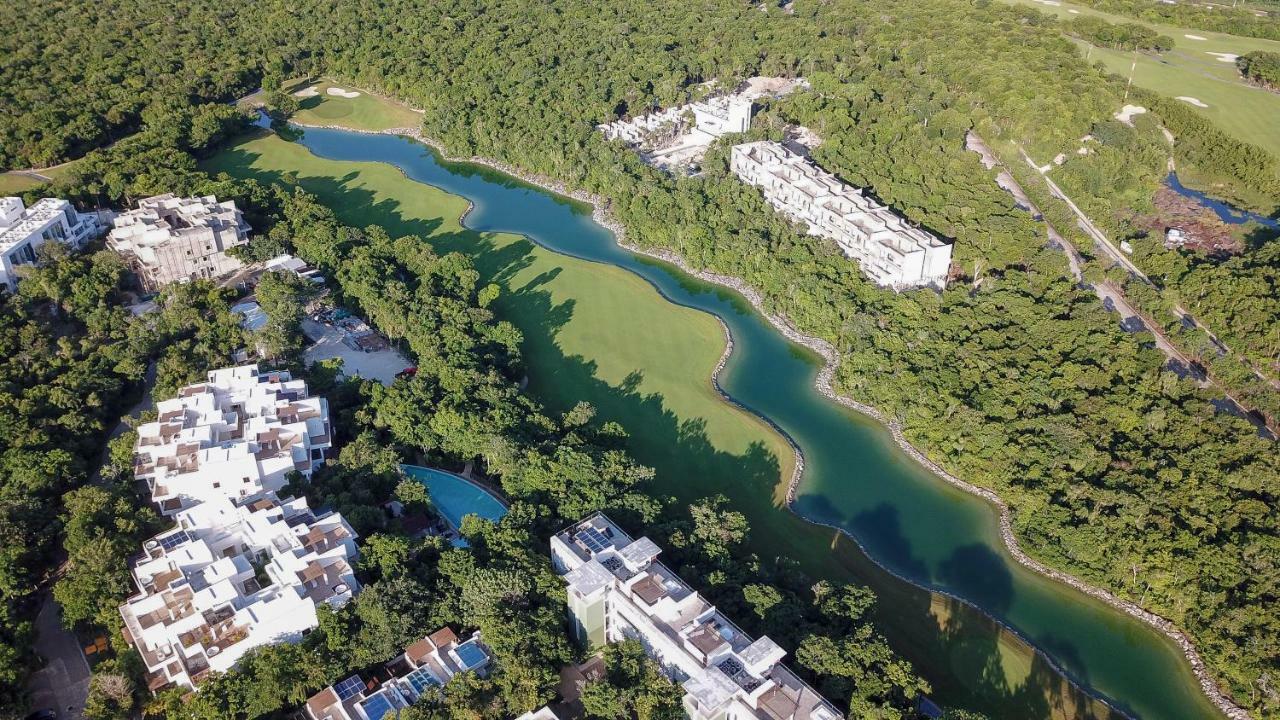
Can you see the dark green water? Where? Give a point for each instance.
(909, 523)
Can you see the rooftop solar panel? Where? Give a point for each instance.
(593, 539)
(170, 542)
(349, 688)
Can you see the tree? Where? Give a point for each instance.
(111, 696)
(633, 688)
(283, 297)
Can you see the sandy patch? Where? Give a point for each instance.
(1127, 112)
(1194, 37)
(308, 92)
(1053, 3)
(1223, 57)
(1074, 12)
(340, 92)
(1059, 158)
(1190, 100)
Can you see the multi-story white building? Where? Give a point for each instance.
(236, 435)
(24, 229)
(890, 251)
(429, 662)
(712, 118)
(170, 239)
(232, 576)
(618, 590)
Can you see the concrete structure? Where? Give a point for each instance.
(170, 239)
(235, 436)
(618, 590)
(542, 713)
(23, 230)
(890, 251)
(297, 266)
(232, 576)
(428, 663)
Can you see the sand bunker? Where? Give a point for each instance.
(1223, 57)
(1194, 37)
(339, 92)
(1074, 12)
(309, 92)
(1128, 111)
(1190, 100)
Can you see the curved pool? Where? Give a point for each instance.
(455, 496)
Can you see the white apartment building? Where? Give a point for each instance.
(890, 251)
(170, 239)
(235, 436)
(712, 118)
(618, 590)
(232, 576)
(429, 662)
(24, 229)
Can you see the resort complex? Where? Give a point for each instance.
(890, 251)
(243, 567)
(169, 239)
(236, 435)
(617, 590)
(676, 138)
(232, 576)
(427, 663)
(24, 229)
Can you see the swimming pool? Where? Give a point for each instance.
(455, 497)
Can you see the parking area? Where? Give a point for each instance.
(63, 683)
(330, 341)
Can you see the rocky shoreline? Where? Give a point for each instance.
(824, 385)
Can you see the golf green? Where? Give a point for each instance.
(365, 111)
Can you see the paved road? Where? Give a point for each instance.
(63, 683)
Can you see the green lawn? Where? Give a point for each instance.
(1247, 112)
(12, 183)
(663, 355)
(652, 373)
(364, 112)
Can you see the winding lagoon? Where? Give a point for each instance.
(910, 525)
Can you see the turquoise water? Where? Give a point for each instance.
(455, 497)
(905, 520)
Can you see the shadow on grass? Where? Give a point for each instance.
(953, 645)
